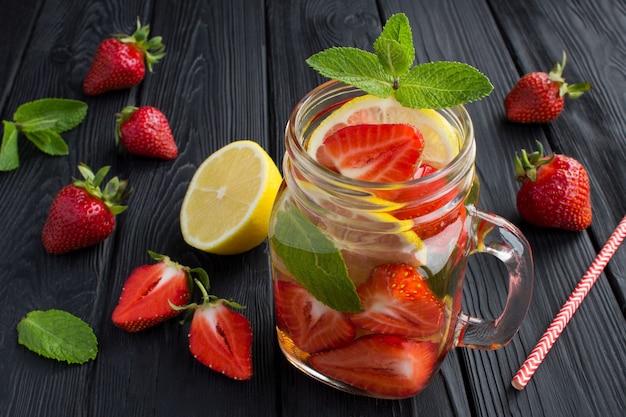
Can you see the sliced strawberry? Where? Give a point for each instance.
(313, 326)
(221, 339)
(373, 152)
(422, 199)
(396, 300)
(384, 366)
(147, 292)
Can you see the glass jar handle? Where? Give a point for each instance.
(498, 237)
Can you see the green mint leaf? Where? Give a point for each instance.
(9, 157)
(48, 141)
(57, 334)
(314, 261)
(432, 85)
(436, 85)
(57, 114)
(394, 47)
(354, 66)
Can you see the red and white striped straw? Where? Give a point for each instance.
(569, 308)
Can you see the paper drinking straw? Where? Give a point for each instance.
(569, 308)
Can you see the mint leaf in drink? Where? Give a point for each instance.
(314, 260)
(9, 157)
(353, 66)
(388, 72)
(57, 114)
(394, 48)
(442, 84)
(57, 334)
(41, 121)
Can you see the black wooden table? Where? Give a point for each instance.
(234, 70)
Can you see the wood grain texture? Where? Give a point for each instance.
(234, 70)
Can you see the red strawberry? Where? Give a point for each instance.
(539, 97)
(312, 325)
(420, 201)
(396, 300)
(221, 338)
(555, 191)
(82, 214)
(385, 366)
(376, 152)
(145, 131)
(119, 62)
(147, 294)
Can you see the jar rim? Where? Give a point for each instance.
(306, 162)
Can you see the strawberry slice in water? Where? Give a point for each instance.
(397, 300)
(385, 366)
(313, 326)
(373, 152)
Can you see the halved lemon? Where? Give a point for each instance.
(441, 141)
(227, 205)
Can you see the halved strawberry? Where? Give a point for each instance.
(396, 300)
(384, 366)
(148, 291)
(221, 339)
(313, 326)
(373, 152)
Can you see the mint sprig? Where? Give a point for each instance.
(388, 71)
(40, 121)
(57, 334)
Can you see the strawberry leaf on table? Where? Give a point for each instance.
(57, 114)
(57, 334)
(9, 155)
(48, 141)
(388, 72)
(41, 121)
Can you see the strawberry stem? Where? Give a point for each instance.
(527, 165)
(152, 48)
(115, 191)
(572, 91)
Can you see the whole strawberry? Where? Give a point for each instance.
(119, 61)
(145, 131)
(555, 191)
(82, 214)
(539, 97)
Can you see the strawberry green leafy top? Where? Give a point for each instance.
(389, 71)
